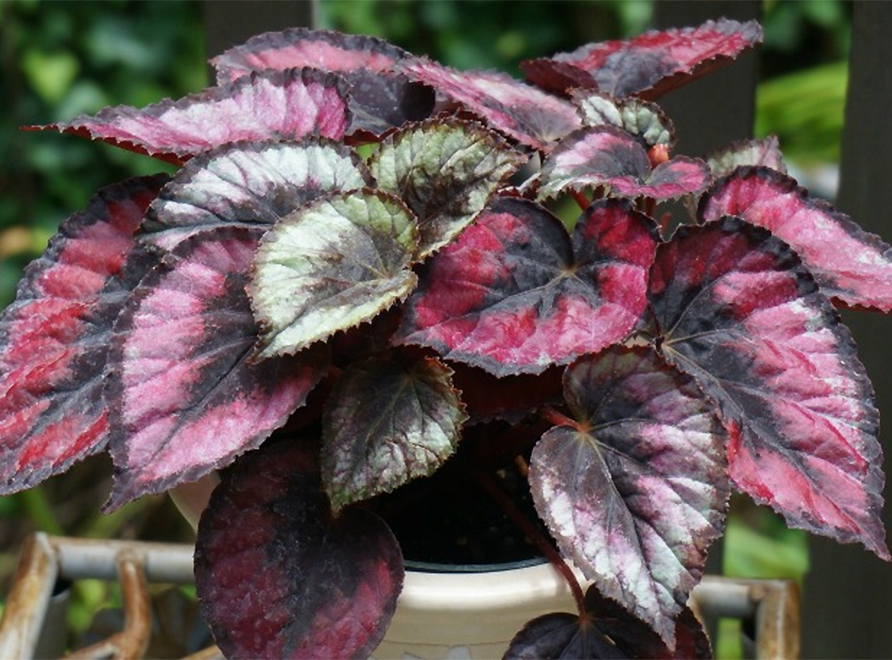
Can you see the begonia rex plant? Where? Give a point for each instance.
(364, 277)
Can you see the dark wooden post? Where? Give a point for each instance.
(847, 601)
(231, 22)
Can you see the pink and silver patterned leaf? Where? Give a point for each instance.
(54, 337)
(765, 152)
(515, 294)
(648, 65)
(849, 264)
(302, 47)
(525, 113)
(279, 577)
(637, 489)
(187, 399)
(610, 157)
(331, 265)
(251, 184)
(385, 424)
(606, 631)
(646, 121)
(445, 171)
(737, 310)
(288, 104)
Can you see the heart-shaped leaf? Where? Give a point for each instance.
(737, 310)
(445, 171)
(514, 294)
(302, 47)
(331, 265)
(648, 65)
(54, 337)
(606, 631)
(764, 152)
(386, 424)
(251, 184)
(637, 489)
(187, 399)
(522, 111)
(849, 264)
(279, 577)
(646, 121)
(286, 104)
(608, 156)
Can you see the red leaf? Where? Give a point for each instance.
(279, 577)
(739, 312)
(849, 264)
(515, 295)
(187, 398)
(648, 65)
(275, 104)
(54, 337)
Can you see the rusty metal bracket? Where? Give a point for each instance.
(772, 606)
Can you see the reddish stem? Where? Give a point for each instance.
(558, 418)
(534, 535)
(583, 201)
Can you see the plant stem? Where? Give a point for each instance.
(581, 199)
(534, 535)
(38, 509)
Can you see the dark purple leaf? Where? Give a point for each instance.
(380, 102)
(187, 398)
(634, 492)
(279, 577)
(849, 264)
(388, 423)
(301, 47)
(648, 65)
(523, 112)
(747, 152)
(251, 184)
(287, 104)
(646, 121)
(54, 337)
(514, 294)
(737, 310)
(609, 157)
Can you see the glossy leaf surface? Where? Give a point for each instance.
(515, 294)
(637, 490)
(445, 171)
(331, 265)
(644, 120)
(251, 184)
(648, 65)
(287, 104)
(610, 157)
(187, 398)
(739, 312)
(54, 337)
(279, 577)
(849, 264)
(521, 111)
(386, 424)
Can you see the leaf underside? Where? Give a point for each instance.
(738, 311)
(278, 577)
(54, 337)
(186, 397)
(637, 492)
(515, 294)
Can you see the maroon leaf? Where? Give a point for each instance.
(54, 337)
(634, 492)
(608, 156)
(251, 184)
(300, 47)
(527, 114)
(279, 577)
(187, 399)
(648, 65)
(764, 152)
(739, 312)
(514, 294)
(287, 104)
(849, 264)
